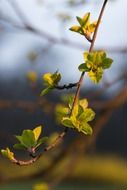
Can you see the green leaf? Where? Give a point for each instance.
(87, 129)
(51, 80)
(86, 20)
(19, 138)
(61, 112)
(28, 138)
(37, 132)
(107, 62)
(83, 68)
(76, 29)
(56, 77)
(41, 141)
(87, 115)
(66, 121)
(8, 154)
(86, 28)
(46, 91)
(96, 75)
(19, 146)
(80, 20)
(83, 103)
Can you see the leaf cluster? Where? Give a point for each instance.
(51, 80)
(30, 139)
(85, 28)
(95, 64)
(80, 117)
(8, 154)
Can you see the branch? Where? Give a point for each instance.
(90, 49)
(60, 136)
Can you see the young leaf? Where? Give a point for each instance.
(77, 29)
(107, 62)
(8, 154)
(45, 91)
(86, 20)
(83, 68)
(51, 81)
(66, 121)
(48, 79)
(86, 28)
(19, 138)
(86, 129)
(96, 76)
(80, 20)
(87, 115)
(37, 132)
(41, 141)
(83, 103)
(28, 138)
(56, 77)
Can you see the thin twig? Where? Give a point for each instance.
(66, 86)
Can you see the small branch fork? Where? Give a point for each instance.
(78, 85)
(71, 85)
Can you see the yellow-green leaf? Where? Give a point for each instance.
(37, 132)
(66, 121)
(76, 29)
(86, 129)
(8, 154)
(47, 77)
(83, 103)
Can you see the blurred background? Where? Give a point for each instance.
(35, 39)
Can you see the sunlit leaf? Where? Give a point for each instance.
(87, 115)
(67, 122)
(37, 132)
(86, 129)
(8, 154)
(28, 138)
